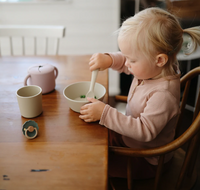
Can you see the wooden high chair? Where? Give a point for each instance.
(182, 173)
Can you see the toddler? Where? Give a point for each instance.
(148, 43)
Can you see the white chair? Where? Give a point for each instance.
(30, 39)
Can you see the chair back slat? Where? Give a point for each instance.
(182, 107)
(196, 144)
(190, 159)
(159, 172)
(129, 174)
(11, 45)
(197, 108)
(46, 47)
(56, 46)
(35, 45)
(23, 46)
(9, 33)
(193, 146)
(185, 83)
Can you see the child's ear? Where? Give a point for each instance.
(161, 59)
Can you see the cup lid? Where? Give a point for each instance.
(41, 69)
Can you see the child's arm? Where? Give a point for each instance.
(100, 61)
(118, 62)
(93, 111)
(115, 61)
(160, 108)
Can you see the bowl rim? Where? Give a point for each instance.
(84, 101)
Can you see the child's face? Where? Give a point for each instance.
(137, 63)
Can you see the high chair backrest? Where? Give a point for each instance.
(30, 39)
(185, 84)
(193, 146)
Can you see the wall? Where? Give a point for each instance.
(89, 24)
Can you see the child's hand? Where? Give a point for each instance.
(100, 61)
(92, 112)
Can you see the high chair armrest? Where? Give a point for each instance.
(119, 98)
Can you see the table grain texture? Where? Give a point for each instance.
(67, 153)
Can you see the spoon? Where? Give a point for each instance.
(92, 83)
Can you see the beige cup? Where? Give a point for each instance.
(30, 101)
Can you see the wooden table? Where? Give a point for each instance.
(67, 153)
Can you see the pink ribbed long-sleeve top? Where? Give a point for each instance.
(151, 111)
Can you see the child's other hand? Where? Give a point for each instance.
(100, 61)
(92, 112)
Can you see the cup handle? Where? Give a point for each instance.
(36, 132)
(56, 72)
(25, 80)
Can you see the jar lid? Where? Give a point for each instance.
(41, 69)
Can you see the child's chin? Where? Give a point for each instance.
(131, 71)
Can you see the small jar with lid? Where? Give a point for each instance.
(43, 75)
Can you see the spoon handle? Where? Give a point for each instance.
(93, 79)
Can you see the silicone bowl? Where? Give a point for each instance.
(78, 89)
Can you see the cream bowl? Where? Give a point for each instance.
(75, 91)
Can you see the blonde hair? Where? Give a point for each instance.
(156, 31)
